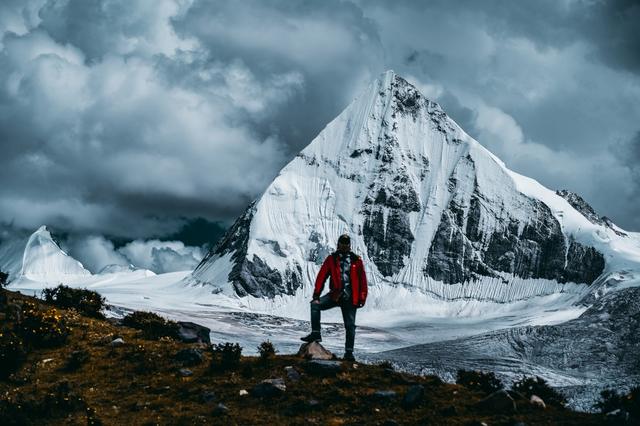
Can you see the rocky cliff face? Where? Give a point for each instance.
(426, 206)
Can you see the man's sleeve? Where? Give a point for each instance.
(363, 282)
(321, 278)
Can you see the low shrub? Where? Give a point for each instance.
(486, 383)
(87, 302)
(76, 360)
(386, 364)
(42, 327)
(143, 360)
(153, 326)
(59, 401)
(611, 400)
(226, 356)
(538, 386)
(266, 350)
(12, 353)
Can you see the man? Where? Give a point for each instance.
(347, 289)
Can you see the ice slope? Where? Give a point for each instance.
(433, 213)
(11, 253)
(43, 260)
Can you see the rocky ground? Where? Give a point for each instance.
(102, 372)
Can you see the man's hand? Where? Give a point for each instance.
(315, 301)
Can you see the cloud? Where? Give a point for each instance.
(133, 118)
(95, 252)
(162, 256)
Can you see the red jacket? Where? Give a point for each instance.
(331, 269)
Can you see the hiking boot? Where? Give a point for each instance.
(313, 337)
(348, 356)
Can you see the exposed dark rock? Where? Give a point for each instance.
(190, 332)
(461, 251)
(388, 244)
(358, 152)
(578, 203)
(407, 100)
(249, 276)
(323, 367)
(269, 388)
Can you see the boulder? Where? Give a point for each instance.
(323, 368)
(189, 357)
(314, 350)
(537, 402)
(190, 332)
(116, 343)
(220, 410)
(292, 374)
(269, 388)
(413, 397)
(499, 401)
(185, 372)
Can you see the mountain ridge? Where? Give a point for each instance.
(426, 205)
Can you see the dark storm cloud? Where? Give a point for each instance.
(132, 117)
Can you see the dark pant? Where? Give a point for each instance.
(348, 317)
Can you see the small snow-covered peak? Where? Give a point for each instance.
(44, 260)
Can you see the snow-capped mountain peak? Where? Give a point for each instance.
(427, 207)
(43, 260)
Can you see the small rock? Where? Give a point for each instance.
(537, 401)
(385, 395)
(313, 403)
(314, 350)
(189, 357)
(499, 401)
(191, 332)
(116, 343)
(292, 374)
(185, 372)
(243, 392)
(617, 416)
(269, 388)
(323, 368)
(220, 410)
(413, 397)
(207, 397)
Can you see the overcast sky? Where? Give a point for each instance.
(128, 118)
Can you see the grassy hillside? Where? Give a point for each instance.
(63, 367)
